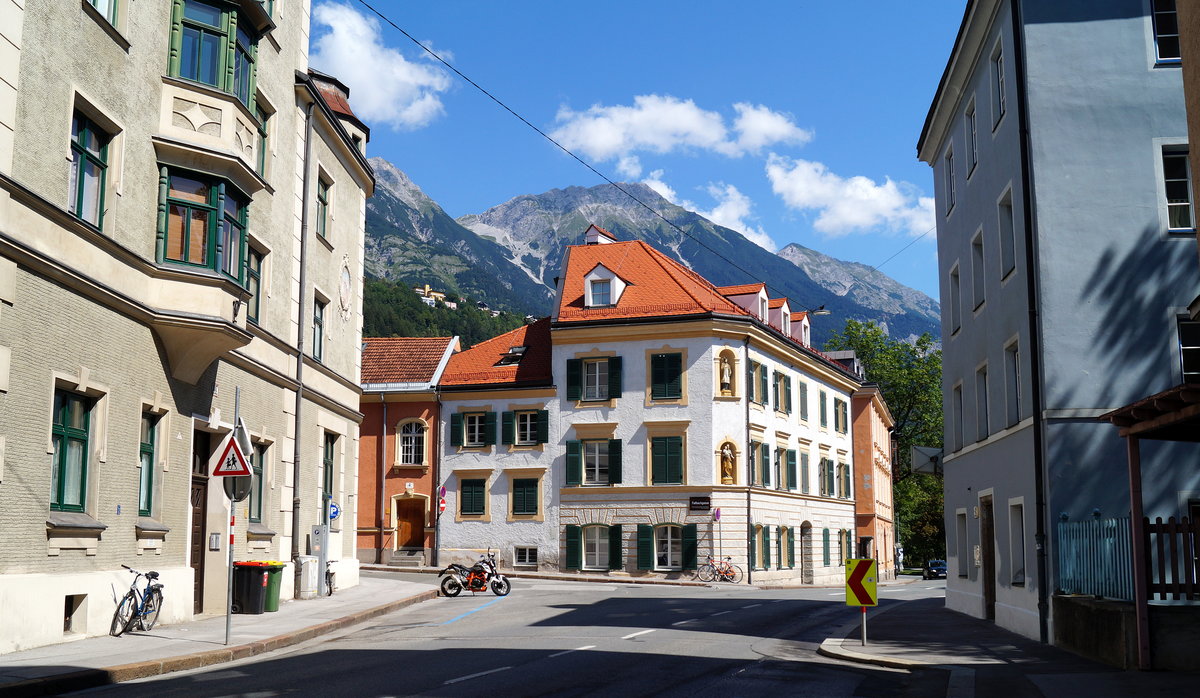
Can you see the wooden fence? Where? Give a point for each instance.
(1172, 550)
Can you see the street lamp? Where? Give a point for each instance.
(818, 311)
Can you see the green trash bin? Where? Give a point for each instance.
(274, 570)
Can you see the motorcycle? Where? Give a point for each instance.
(479, 577)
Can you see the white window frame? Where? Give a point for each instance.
(593, 453)
(522, 555)
(474, 429)
(978, 275)
(668, 545)
(955, 283)
(595, 379)
(999, 85)
(948, 172)
(1012, 381)
(972, 124)
(525, 427)
(601, 292)
(982, 421)
(1155, 13)
(1006, 223)
(595, 547)
(1178, 151)
(1016, 541)
(410, 449)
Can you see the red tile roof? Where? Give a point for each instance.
(776, 302)
(402, 359)
(604, 232)
(741, 289)
(478, 365)
(657, 284)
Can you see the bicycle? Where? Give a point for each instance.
(140, 607)
(719, 571)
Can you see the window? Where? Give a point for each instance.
(779, 467)
(595, 547)
(206, 224)
(668, 548)
(666, 453)
(412, 444)
(602, 292)
(1189, 350)
(1016, 541)
(841, 416)
(823, 408)
(89, 166)
(762, 535)
(146, 458)
(322, 207)
(764, 465)
(776, 396)
(972, 139)
(594, 379)
(1166, 31)
(962, 544)
(999, 88)
(527, 427)
(318, 328)
(470, 497)
(595, 462)
(254, 260)
(525, 496)
(1177, 183)
(525, 555)
(106, 8)
(69, 432)
(263, 132)
(839, 480)
(1008, 237)
(666, 376)
(327, 460)
(955, 302)
(956, 404)
(825, 547)
(977, 277)
(474, 428)
(1012, 383)
(782, 389)
(804, 472)
(844, 486)
(201, 49)
(257, 457)
(790, 456)
(948, 170)
(803, 401)
(981, 403)
(827, 478)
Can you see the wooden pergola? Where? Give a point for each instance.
(1172, 415)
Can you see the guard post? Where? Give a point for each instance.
(861, 589)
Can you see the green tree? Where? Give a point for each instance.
(909, 375)
(393, 310)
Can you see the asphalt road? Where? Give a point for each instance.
(551, 638)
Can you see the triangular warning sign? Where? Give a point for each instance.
(231, 463)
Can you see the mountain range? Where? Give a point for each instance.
(509, 255)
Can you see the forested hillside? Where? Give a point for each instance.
(393, 310)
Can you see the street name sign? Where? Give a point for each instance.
(860, 583)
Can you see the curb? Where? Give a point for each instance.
(549, 576)
(92, 678)
(833, 647)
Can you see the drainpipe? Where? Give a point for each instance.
(298, 431)
(1035, 364)
(437, 474)
(749, 466)
(382, 477)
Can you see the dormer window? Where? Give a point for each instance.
(762, 308)
(601, 292)
(787, 323)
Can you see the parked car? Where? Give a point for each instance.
(934, 569)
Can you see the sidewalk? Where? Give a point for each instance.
(98, 661)
(981, 659)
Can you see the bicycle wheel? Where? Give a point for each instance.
(150, 613)
(735, 574)
(123, 614)
(706, 573)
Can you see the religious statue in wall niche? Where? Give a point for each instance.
(727, 463)
(726, 376)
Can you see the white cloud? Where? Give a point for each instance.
(385, 86)
(655, 182)
(629, 167)
(847, 205)
(732, 211)
(663, 124)
(759, 127)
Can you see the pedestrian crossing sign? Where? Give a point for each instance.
(231, 463)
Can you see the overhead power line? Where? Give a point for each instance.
(588, 165)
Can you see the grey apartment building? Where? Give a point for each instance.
(181, 222)
(1066, 250)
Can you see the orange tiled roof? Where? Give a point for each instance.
(604, 232)
(478, 365)
(741, 289)
(657, 284)
(402, 359)
(776, 302)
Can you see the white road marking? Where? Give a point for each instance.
(475, 676)
(577, 649)
(640, 632)
(720, 613)
(752, 605)
(838, 594)
(681, 622)
(779, 600)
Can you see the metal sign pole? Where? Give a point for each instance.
(864, 626)
(237, 405)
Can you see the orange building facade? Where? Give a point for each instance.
(398, 454)
(871, 426)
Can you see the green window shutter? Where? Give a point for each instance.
(804, 401)
(525, 496)
(518, 497)
(825, 547)
(752, 459)
(791, 547)
(614, 377)
(645, 547)
(750, 381)
(616, 557)
(471, 495)
(666, 371)
(574, 463)
(822, 409)
(658, 460)
(674, 375)
(775, 394)
(574, 379)
(766, 547)
(689, 547)
(804, 473)
(779, 543)
(489, 429)
(456, 429)
(752, 545)
(614, 461)
(574, 547)
(543, 426)
(764, 464)
(847, 481)
(675, 460)
(507, 429)
(787, 394)
(791, 469)
(762, 384)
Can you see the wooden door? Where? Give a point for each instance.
(987, 553)
(199, 504)
(410, 523)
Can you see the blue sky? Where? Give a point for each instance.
(789, 121)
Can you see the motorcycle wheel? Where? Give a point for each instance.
(451, 586)
(500, 586)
